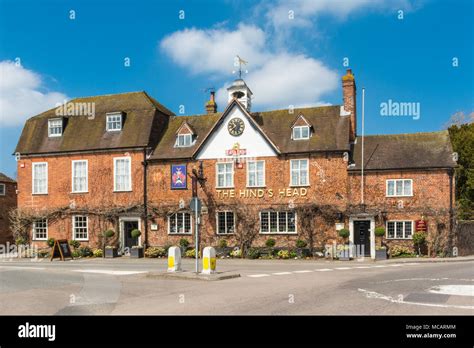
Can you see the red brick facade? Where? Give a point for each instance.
(8, 201)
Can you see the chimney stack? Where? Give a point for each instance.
(211, 106)
(349, 99)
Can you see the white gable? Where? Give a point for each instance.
(250, 140)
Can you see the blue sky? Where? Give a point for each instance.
(296, 60)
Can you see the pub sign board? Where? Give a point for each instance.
(421, 226)
(178, 177)
(61, 249)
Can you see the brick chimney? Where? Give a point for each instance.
(211, 106)
(349, 99)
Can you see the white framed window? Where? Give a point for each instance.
(180, 223)
(274, 222)
(399, 188)
(299, 172)
(122, 174)
(79, 227)
(301, 132)
(256, 173)
(184, 140)
(55, 127)
(2, 190)
(225, 174)
(79, 176)
(40, 178)
(225, 222)
(399, 229)
(40, 229)
(114, 122)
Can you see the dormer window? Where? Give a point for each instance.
(301, 129)
(55, 127)
(114, 122)
(184, 140)
(301, 132)
(184, 135)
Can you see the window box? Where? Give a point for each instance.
(136, 252)
(111, 252)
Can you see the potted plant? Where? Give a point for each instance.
(223, 249)
(183, 244)
(419, 239)
(137, 250)
(301, 250)
(343, 250)
(380, 250)
(110, 251)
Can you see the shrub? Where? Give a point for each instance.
(191, 253)
(419, 239)
(399, 250)
(184, 243)
(43, 253)
(109, 233)
(236, 253)
(76, 254)
(222, 243)
(85, 251)
(270, 242)
(75, 243)
(253, 253)
(50, 242)
(155, 252)
(20, 241)
(379, 231)
(167, 246)
(98, 253)
(135, 233)
(344, 233)
(301, 243)
(283, 254)
(293, 255)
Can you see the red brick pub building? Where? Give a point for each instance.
(284, 174)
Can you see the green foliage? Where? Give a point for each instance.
(154, 252)
(236, 253)
(379, 231)
(462, 139)
(419, 238)
(76, 254)
(20, 241)
(293, 255)
(50, 242)
(283, 254)
(301, 243)
(270, 242)
(97, 253)
(109, 233)
(75, 243)
(344, 233)
(85, 251)
(43, 253)
(222, 243)
(400, 251)
(183, 242)
(253, 253)
(135, 233)
(192, 253)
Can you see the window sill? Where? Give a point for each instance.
(39, 194)
(225, 234)
(387, 238)
(81, 240)
(283, 233)
(180, 234)
(118, 191)
(76, 192)
(408, 196)
(256, 187)
(40, 240)
(225, 187)
(296, 186)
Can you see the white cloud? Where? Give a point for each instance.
(288, 80)
(21, 94)
(276, 79)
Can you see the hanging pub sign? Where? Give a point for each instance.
(421, 226)
(236, 152)
(178, 177)
(61, 249)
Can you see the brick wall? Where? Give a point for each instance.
(7, 203)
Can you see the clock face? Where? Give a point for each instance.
(236, 126)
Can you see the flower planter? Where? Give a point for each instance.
(381, 254)
(136, 253)
(223, 251)
(111, 253)
(303, 252)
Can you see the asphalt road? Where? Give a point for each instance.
(123, 286)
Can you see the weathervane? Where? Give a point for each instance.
(238, 62)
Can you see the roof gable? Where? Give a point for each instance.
(301, 121)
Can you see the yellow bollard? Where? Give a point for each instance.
(209, 260)
(174, 259)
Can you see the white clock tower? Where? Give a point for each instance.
(240, 91)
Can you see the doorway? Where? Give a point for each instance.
(362, 235)
(127, 225)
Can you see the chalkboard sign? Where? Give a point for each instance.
(61, 249)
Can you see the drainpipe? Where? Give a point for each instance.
(451, 211)
(145, 198)
(362, 202)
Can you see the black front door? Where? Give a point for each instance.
(362, 235)
(128, 227)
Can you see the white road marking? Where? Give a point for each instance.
(111, 272)
(363, 267)
(379, 266)
(281, 273)
(396, 265)
(323, 270)
(21, 267)
(342, 268)
(459, 290)
(376, 295)
(303, 271)
(258, 275)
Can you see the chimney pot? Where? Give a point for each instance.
(211, 106)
